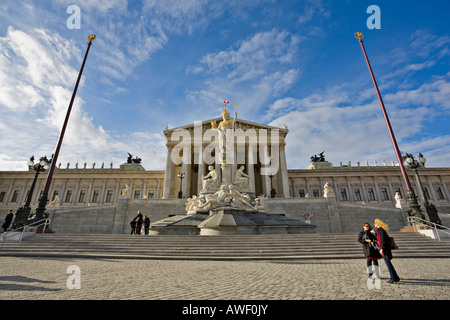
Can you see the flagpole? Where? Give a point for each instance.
(40, 210)
(412, 199)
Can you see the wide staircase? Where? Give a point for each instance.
(235, 247)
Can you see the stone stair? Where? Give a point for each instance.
(229, 247)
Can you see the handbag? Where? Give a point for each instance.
(394, 246)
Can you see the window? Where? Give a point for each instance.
(95, 196)
(315, 193)
(137, 194)
(397, 190)
(371, 194)
(301, 193)
(15, 196)
(109, 196)
(439, 193)
(2, 196)
(82, 197)
(357, 195)
(55, 194)
(151, 194)
(68, 196)
(343, 194)
(384, 194)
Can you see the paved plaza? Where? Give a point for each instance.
(134, 279)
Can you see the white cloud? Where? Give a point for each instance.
(358, 130)
(253, 70)
(250, 57)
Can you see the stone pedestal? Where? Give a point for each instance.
(226, 221)
(320, 165)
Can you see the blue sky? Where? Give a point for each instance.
(171, 63)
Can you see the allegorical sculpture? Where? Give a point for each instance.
(211, 180)
(241, 179)
(131, 160)
(227, 191)
(320, 158)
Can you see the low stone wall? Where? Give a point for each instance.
(111, 219)
(335, 217)
(330, 216)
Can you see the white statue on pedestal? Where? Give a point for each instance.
(124, 192)
(211, 180)
(241, 179)
(221, 197)
(240, 200)
(327, 190)
(260, 204)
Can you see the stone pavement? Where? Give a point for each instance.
(43, 278)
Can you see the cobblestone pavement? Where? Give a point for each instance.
(122, 279)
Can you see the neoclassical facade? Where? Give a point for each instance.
(259, 155)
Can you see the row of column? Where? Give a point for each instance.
(379, 198)
(280, 179)
(75, 193)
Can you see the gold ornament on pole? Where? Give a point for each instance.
(359, 35)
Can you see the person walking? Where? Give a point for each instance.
(368, 239)
(133, 225)
(8, 220)
(146, 224)
(385, 249)
(139, 220)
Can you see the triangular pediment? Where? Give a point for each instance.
(240, 124)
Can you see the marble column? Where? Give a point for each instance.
(8, 194)
(377, 189)
(363, 190)
(432, 192)
(185, 188)
(102, 193)
(22, 193)
(350, 191)
(117, 191)
(444, 186)
(168, 178)
(284, 173)
(391, 190)
(251, 169)
(75, 192)
(62, 194)
(35, 195)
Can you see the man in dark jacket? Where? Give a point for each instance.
(139, 219)
(8, 220)
(146, 224)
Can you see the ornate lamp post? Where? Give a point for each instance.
(181, 176)
(23, 213)
(273, 193)
(411, 163)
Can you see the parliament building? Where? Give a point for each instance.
(103, 198)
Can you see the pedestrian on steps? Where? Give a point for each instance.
(8, 219)
(385, 249)
(367, 237)
(133, 225)
(146, 224)
(139, 220)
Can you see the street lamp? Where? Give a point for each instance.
(23, 212)
(272, 189)
(431, 213)
(181, 176)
